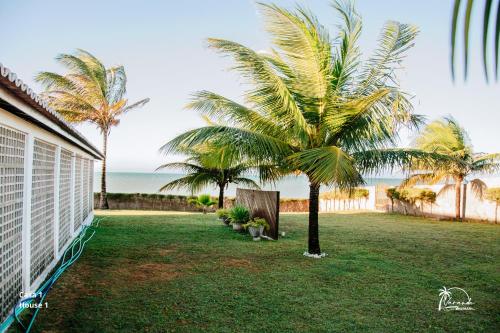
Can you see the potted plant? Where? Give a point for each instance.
(256, 227)
(239, 215)
(223, 215)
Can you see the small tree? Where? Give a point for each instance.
(392, 194)
(493, 194)
(204, 201)
(209, 166)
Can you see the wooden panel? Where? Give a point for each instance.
(265, 204)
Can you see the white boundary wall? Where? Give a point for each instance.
(475, 207)
(37, 197)
(331, 205)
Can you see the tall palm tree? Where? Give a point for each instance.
(446, 137)
(209, 166)
(312, 107)
(89, 92)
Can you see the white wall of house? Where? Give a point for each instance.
(40, 212)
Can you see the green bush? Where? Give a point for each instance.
(257, 222)
(222, 213)
(493, 194)
(144, 196)
(239, 214)
(412, 195)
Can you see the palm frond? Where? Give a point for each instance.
(192, 182)
(394, 41)
(116, 82)
(478, 187)
(186, 167)
(327, 165)
(430, 178)
(379, 160)
(305, 44)
(134, 106)
(247, 182)
(271, 92)
(226, 111)
(259, 147)
(467, 16)
(454, 23)
(446, 188)
(346, 59)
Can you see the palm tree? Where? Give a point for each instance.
(467, 14)
(445, 137)
(312, 107)
(209, 166)
(89, 92)
(204, 201)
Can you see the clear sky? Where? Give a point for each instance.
(162, 46)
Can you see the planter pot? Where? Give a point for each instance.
(254, 232)
(237, 226)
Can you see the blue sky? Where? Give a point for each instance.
(162, 46)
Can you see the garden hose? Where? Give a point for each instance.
(75, 248)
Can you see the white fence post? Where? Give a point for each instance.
(26, 235)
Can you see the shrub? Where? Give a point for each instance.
(239, 214)
(493, 194)
(257, 222)
(412, 195)
(203, 200)
(222, 213)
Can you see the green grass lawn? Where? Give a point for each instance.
(189, 273)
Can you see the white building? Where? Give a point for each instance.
(46, 189)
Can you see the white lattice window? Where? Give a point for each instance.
(78, 193)
(85, 189)
(91, 186)
(12, 144)
(42, 207)
(64, 198)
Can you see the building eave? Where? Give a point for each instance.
(20, 90)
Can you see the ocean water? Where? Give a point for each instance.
(134, 182)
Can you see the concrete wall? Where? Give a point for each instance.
(331, 205)
(475, 207)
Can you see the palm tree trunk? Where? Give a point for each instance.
(313, 242)
(103, 201)
(221, 196)
(496, 213)
(458, 185)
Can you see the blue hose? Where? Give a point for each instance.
(76, 247)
